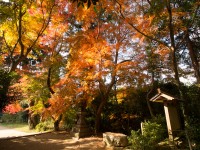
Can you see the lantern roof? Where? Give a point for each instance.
(162, 96)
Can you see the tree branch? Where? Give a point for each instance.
(49, 82)
(138, 30)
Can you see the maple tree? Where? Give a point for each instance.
(20, 32)
(90, 77)
(19, 38)
(42, 77)
(20, 44)
(55, 64)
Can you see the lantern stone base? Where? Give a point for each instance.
(80, 132)
(81, 129)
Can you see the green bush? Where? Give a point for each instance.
(9, 118)
(20, 117)
(136, 140)
(193, 131)
(152, 134)
(44, 126)
(193, 114)
(70, 119)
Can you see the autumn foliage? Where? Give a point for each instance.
(12, 108)
(88, 50)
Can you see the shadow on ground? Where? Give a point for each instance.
(52, 141)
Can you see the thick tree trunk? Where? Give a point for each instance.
(3, 98)
(97, 123)
(5, 81)
(33, 120)
(98, 116)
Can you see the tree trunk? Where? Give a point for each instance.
(147, 97)
(184, 105)
(98, 116)
(173, 49)
(33, 120)
(57, 122)
(5, 81)
(3, 98)
(49, 81)
(149, 105)
(193, 57)
(97, 123)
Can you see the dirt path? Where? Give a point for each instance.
(9, 133)
(48, 141)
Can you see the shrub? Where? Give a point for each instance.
(152, 134)
(19, 117)
(9, 118)
(69, 119)
(136, 140)
(44, 126)
(194, 131)
(193, 114)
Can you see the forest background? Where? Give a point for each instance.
(105, 56)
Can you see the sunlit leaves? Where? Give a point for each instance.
(22, 30)
(12, 108)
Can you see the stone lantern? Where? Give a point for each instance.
(81, 129)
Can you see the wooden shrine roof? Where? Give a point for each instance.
(161, 97)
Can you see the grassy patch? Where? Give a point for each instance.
(18, 126)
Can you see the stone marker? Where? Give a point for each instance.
(115, 139)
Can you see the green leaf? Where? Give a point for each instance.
(95, 9)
